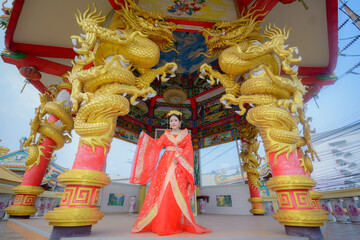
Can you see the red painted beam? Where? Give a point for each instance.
(40, 64)
(43, 51)
(14, 17)
(332, 29)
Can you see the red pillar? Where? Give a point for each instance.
(27, 191)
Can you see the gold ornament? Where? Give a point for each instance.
(31, 190)
(243, 50)
(40, 125)
(70, 217)
(285, 182)
(132, 42)
(251, 160)
(16, 210)
(304, 218)
(176, 112)
(84, 177)
(3, 150)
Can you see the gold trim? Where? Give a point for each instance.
(64, 86)
(84, 177)
(16, 210)
(31, 190)
(302, 197)
(351, 192)
(258, 211)
(284, 200)
(290, 182)
(255, 200)
(72, 217)
(269, 198)
(315, 195)
(305, 218)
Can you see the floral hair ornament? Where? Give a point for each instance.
(176, 112)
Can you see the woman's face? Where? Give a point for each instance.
(174, 123)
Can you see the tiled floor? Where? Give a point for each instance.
(332, 231)
(8, 234)
(342, 231)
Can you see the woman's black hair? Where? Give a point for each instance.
(178, 116)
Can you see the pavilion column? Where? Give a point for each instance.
(77, 211)
(40, 154)
(306, 164)
(280, 135)
(293, 186)
(251, 161)
(197, 172)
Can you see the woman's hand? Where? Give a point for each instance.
(141, 134)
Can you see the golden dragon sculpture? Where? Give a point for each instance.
(249, 155)
(3, 150)
(259, 59)
(59, 131)
(123, 56)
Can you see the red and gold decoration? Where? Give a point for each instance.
(31, 74)
(3, 150)
(52, 137)
(277, 105)
(104, 92)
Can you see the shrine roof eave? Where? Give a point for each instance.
(36, 54)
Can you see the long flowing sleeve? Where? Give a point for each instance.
(145, 159)
(186, 161)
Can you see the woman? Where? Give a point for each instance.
(172, 181)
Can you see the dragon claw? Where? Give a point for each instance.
(174, 68)
(74, 41)
(224, 102)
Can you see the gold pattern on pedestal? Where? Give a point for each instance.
(131, 43)
(72, 217)
(302, 218)
(54, 130)
(24, 207)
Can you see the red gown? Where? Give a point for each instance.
(166, 209)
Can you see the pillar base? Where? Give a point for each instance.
(313, 233)
(60, 232)
(19, 210)
(73, 217)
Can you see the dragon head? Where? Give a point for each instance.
(132, 17)
(226, 34)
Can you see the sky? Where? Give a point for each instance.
(336, 106)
